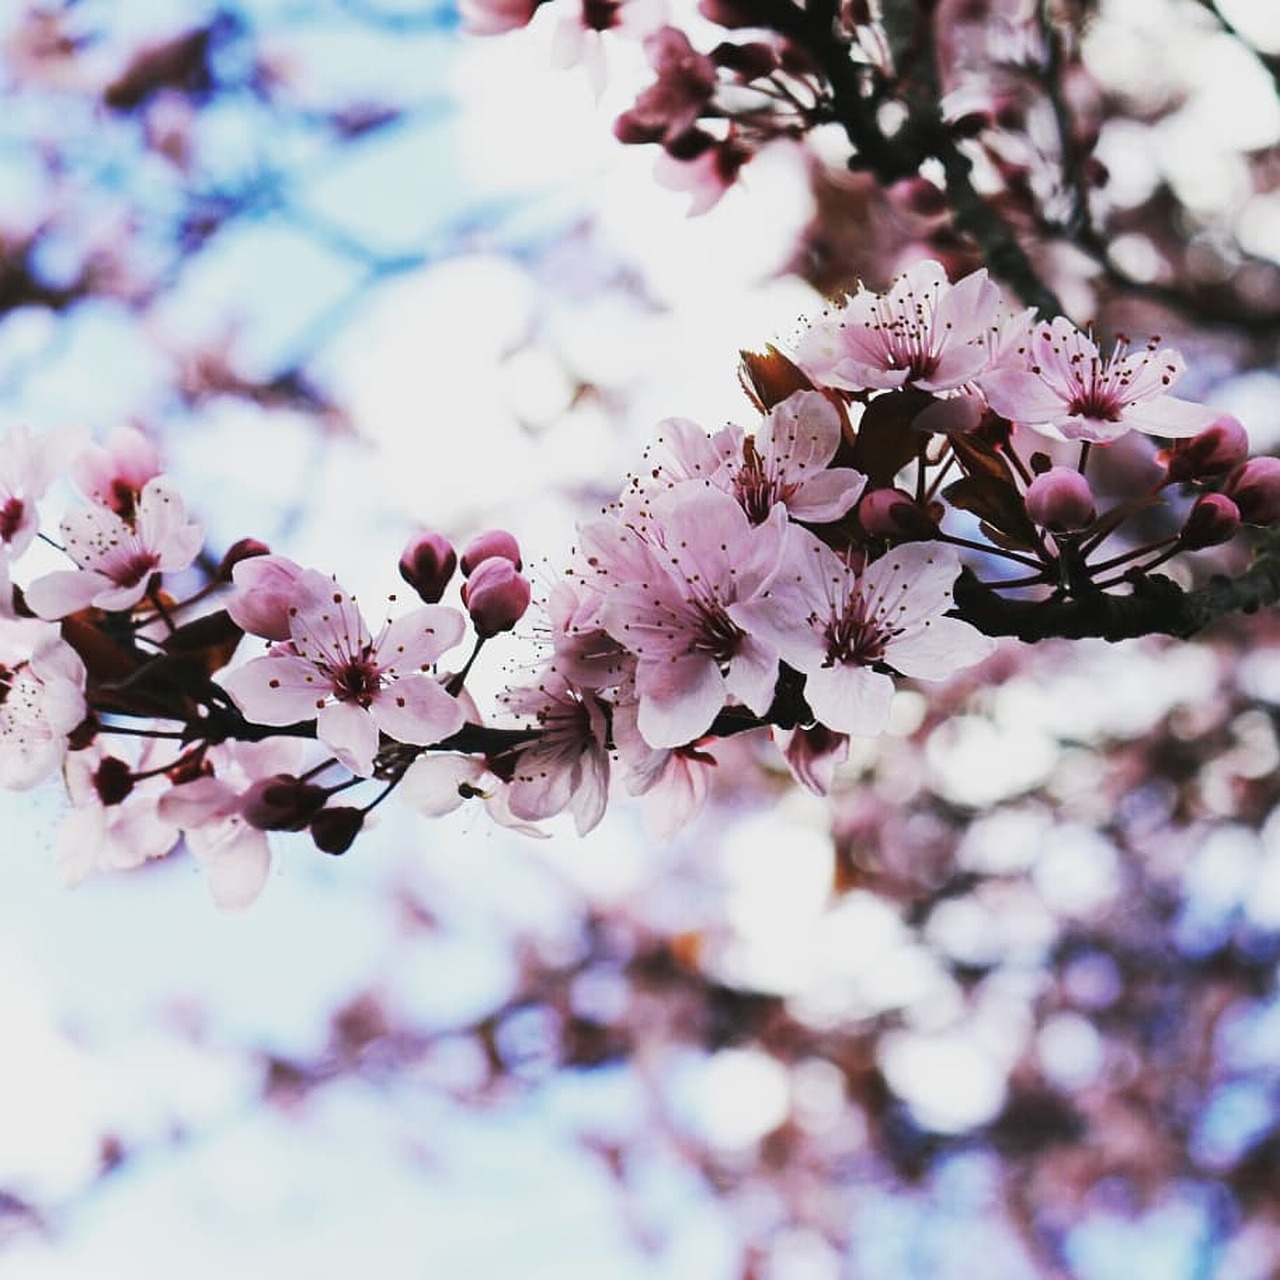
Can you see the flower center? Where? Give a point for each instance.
(134, 569)
(11, 518)
(357, 681)
(853, 639)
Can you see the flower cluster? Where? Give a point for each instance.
(779, 577)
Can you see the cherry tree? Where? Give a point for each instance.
(1012, 438)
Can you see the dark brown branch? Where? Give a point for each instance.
(1157, 605)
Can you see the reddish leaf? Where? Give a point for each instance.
(769, 377)
(998, 503)
(886, 440)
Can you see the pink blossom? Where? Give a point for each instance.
(567, 765)
(1068, 390)
(484, 546)
(1060, 500)
(1255, 489)
(27, 466)
(674, 614)
(496, 596)
(585, 653)
(704, 176)
(812, 754)
(672, 105)
(788, 462)
(116, 559)
(836, 626)
(352, 684)
(114, 475)
(209, 810)
(105, 831)
(41, 701)
(427, 564)
(672, 781)
(925, 333)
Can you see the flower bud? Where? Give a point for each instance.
(245, 549)
(281, 803)
(497, 542)
(1217, 450)
(496, 596)
(1061, 501)
(892, 514)
(1255, 488)
(427, 565)
(265, 587)
(113, 781)
(334, 830)
(1213, 520)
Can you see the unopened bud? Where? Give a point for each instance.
(890, 513)
(496, 596)
(497, 542)
(1218, 449)
(1061, 501)
(1255, 488)
(245, 549)
(427, 565)
(920, 196)
(282, 803)
(112, 780)
(751, 60)
(334, 830)
(1213, 520)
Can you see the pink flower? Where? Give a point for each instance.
(925, 333)
(672, 105)
(704, 176)
(813, 754)
(107, 830)
(567, 765)
(114, 475)
(585, 653)
(116, 559)
(788, 462)
(1060, 500)
(836, 626)
(673, 781)
(1068, 390)
(496, 596)
(353, 685)
(209, 810)
(26, 468)
(674, 614)
(41, 701)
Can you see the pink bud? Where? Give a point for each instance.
(1214, 452)
(496, 596)
(427, 564)
(1213, 520)
(281, 803)
(265, 587)
(890, 513)
(497, 542)
(1255, 486)
(1060, 500)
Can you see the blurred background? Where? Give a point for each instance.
(1004, 1004)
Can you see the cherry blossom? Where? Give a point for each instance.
(838, 627)
(567, 765)
(265, 589)
(117, 559)
(925, 333)
(1069, 390)
(675, 614)
(27, 465)
(353, 685)
(115, 823)
(41, 701)
(209, 810)
(672, 781)
(114, 475)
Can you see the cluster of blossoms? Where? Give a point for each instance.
(780, 578)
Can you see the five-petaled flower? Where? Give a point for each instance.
(845, 631)
(332, 670)
(1069, 389)
(117, 559)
